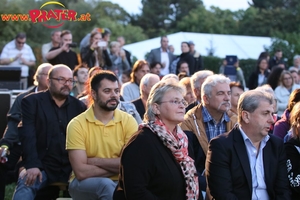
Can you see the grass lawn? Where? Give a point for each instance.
(9, 191)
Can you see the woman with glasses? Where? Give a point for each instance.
(292, 148)
(284, 90)
(155, 163)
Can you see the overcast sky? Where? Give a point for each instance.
(133, 6)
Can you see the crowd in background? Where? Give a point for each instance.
(198, 107)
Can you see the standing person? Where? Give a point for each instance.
(94, 54)
(63, 54)
(260, 75)
(55, 41)
(187, 57)
(95, 139)
(121, 40)
(292, 148)
(284, 90)
(277, 59)
(155, 163)
(247, 163)
(118, 59)
(197, 56)
(45, 116)
(131, 90)
(162, 55)
(18, 53)
(10, 141)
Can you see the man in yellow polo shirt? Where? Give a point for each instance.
(95, 139)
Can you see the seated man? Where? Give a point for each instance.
(95, 139)
(80, 75)
(247, 162)
(183, 66)
(18, 53)
(45, 116)
(63, 54)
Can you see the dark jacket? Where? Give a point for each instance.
(88, 57)
(292, 148)
(149, 170)
(253, 79)
(37, 125)
(138, 103)
(228, 169)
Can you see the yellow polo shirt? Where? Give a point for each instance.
(85, 132)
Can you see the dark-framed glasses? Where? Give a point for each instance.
(177, 102)
(64, 81)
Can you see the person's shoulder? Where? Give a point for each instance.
(128, 84)
(276, 140)
(76, 101)
(196, 109)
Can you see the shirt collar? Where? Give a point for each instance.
(161, 50)
(207, 117)
(245, 137)
(90, 116)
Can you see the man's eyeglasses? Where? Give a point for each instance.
(64, 81)
(177, 102)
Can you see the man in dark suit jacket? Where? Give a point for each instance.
(162, 55)
(10, 141)
(247, 163)
(43, 133)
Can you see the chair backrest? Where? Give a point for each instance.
(5, 97)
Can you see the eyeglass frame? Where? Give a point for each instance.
(68, 81)
(177, 102)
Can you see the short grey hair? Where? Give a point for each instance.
(267, 88)
(212, 81)
(197, 76)
(250, 100)
(170, 76)
(296, 57)
(39, 70)
(156, 95)
(145, 80)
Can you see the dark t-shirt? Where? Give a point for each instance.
(67, 58)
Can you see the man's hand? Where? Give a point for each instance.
(31, 175)
(65, 47)
(3, 154)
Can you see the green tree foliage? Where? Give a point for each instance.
(159, 17)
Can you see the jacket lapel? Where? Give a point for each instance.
(241, 151)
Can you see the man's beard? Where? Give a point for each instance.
(60, 94)
(104, 105)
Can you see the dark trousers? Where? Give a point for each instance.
(9, 170)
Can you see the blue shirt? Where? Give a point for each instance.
(259, 188)
(212, 128)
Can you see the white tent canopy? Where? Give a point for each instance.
(243, 46)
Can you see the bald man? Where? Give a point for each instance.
(43, 133)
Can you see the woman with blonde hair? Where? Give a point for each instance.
(284, 90)
(155, 163)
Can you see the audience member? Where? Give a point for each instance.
(105, 33)
(188, 95)
(131, 90)
(236, 90)
(208, 120)
(274, 76)
(295, 76)
(196, 82)
(260, 75)
(251, 162)
(95, 157)
(264, 54)
(18, 53)
(118, 59)
(183, 67)
(182, 75)
(197, 56)
(63, 54)
(296, 62)
(94, 54)
(45, 116)
(121, 41)
(284, 90)
(155, 68)
(146, 84)
(292, 148)
(162, 55)
(55, 41)
(126, 76)
(282, 126)
(171, 48)
(80, 75)
(187, 57)
(277, 60)
(155, 163)
(10, 141)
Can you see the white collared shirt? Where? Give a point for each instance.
(164, 58)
